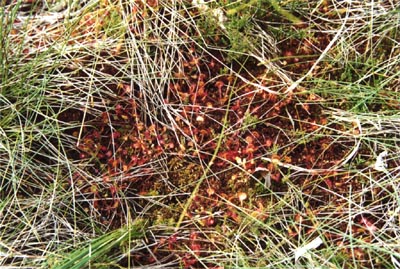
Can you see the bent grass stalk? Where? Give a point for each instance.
(208, 167)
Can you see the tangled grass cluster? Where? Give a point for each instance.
(199, 134)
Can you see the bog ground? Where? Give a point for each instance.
(199, 134)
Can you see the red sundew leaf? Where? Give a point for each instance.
(209, 222)
(95, 134)
(140, 126)
(142, 161)
(219, 84)
(188, 261)
(147, 135)
(211, 64)
(193, 236)
(200, 85)
(115, 204)
(250, 149)
(103, 148)
(124, 152)
(210, 191)
(292, 232)
(178, 75)
(115, 135)
(238, 108)
(233, 215)
(118, 108)
(287, 159)
(329, 183)
(134, 160)
(106, 179)
(137, 145)
(249, 140)
(250, 166)
(186, 130)
(276, 177)
(159, 151)
(202, 77)
(104, 117)
(113, 190)
(113, 163)
(195, 61)
(161, 139)
(334, 236)
(172, 241)
(170, 145)
(109, 154)
(96, 203)
(268, 143)
(196, 248)
(299, 218)
(229, 155)
(125, 167)
(288, 53)
(204, 132)
(127, 89)
(152, 129)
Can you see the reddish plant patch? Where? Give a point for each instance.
(267, 140)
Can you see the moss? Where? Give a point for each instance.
(183, 174)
